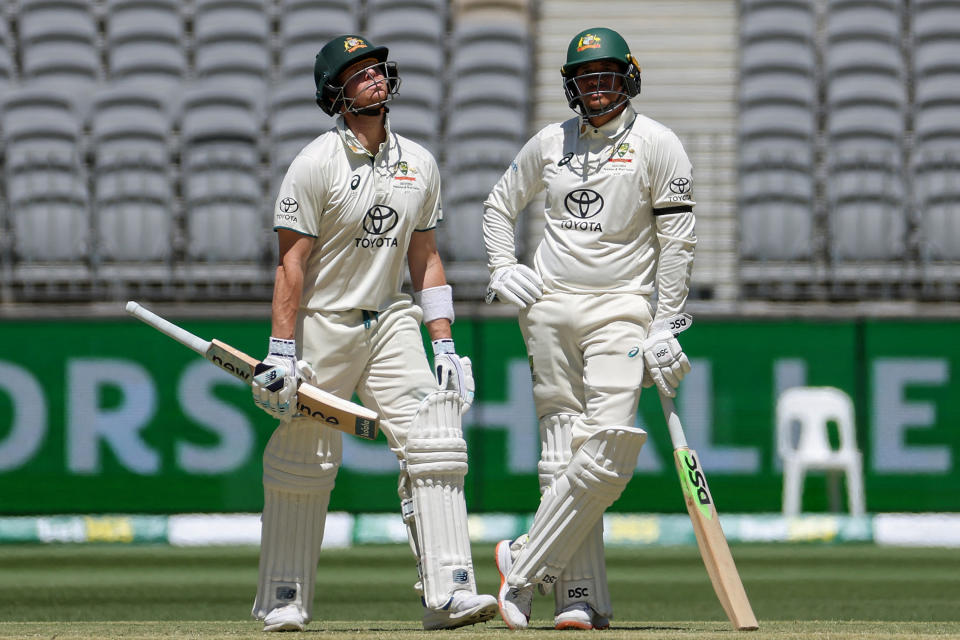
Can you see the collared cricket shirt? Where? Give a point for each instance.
(362, 210)
(616, 197)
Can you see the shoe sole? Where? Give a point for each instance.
(503, 547)
(284, 626)
(476, 616)
(573, 624)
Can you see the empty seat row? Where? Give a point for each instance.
(866, 183)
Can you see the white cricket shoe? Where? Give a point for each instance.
(285, 618)
(462, 609)
(515, 602)
(580, 615)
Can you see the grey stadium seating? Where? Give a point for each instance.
(58, 41)
(233, 42)
(220, 130)
(133, 183)
(45, 179)
(145, 42)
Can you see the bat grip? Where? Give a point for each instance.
(179, 334)
(673, 422)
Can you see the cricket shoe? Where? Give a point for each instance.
(463, 608)
(515, 602)
(580, 615)
(285, 618)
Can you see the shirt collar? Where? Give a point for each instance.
(353, 143)
(610, 129)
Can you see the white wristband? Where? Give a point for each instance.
(282, 347)
(436, 302)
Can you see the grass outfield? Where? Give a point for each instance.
(797, 591)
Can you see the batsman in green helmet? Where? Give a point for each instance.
(606, 284)
(600, 75)
(357, 209)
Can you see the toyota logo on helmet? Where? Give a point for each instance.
(583, 203)
(379, 219)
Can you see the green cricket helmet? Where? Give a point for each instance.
(336, 56)
(593, 45)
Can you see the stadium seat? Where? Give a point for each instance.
(305, 25)
(233, 42)
(808, 448)
(461, 231)
(294, 121)
(45, 180)
(8, 71)
(220, 130)
(58, 41)
(145, 42)
(133, 186)
(867, 212)
(416, 123)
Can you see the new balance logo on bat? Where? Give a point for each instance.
(240, 370)
(316, 415)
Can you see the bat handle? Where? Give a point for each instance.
(673, 422)
(179, 334)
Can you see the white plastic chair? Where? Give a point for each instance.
(813, 408)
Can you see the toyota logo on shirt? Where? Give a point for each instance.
(379, 219)
(680, 185)
(583, 203)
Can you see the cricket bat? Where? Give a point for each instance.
(706, 525)
(312, 402)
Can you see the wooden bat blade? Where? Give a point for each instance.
(712, 543)
(312, 402)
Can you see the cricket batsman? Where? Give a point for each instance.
(356, 204)
(619, 227)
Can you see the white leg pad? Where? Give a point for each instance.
(299, 471)
(593, 479)
(584, 579)
(432, 500)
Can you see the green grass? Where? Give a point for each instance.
(366, 592)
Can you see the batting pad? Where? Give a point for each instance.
(594, 478)
(298, 475)
(431, 490)
(584, 579)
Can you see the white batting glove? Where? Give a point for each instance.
(517, 284)
(453, 372)
(275, 382)
(666, 363)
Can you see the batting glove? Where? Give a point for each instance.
(275, 380)
(666, 363)
(517, 284)
(453, 372)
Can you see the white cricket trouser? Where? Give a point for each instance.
(381, 357)
(586, 357)
(378, 356)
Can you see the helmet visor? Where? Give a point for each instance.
(598, 93)
(368, 87)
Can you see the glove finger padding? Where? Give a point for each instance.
(275, 386)
(517, 284)
(665, 361)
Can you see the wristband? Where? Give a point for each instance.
(281, 347)
(436, 302)
(443, 345)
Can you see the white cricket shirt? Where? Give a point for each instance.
(619, 199)
(362, 210)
